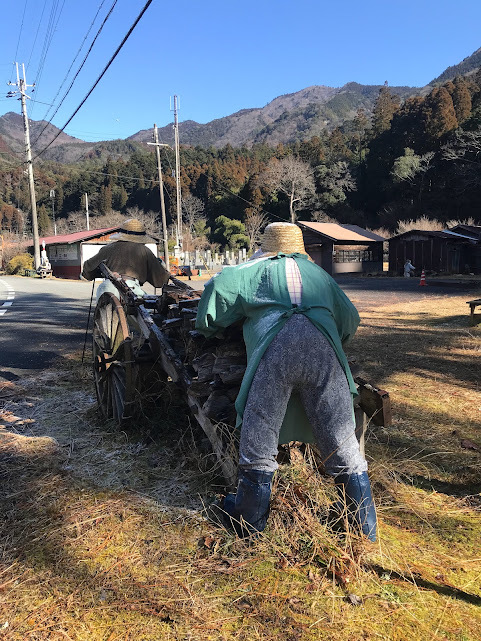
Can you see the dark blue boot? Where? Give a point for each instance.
(249, 508)
(355, 489)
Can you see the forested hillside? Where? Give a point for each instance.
(420, 157)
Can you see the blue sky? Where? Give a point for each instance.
(222, 56)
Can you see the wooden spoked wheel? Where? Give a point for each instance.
(113, 360)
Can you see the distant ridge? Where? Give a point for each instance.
(467, 66)
(11, 130)
(288, 118)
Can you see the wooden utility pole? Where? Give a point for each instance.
(177, 174)
(157, 145)
(22, 87)
(87, 210)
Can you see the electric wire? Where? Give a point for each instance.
(19, 36)
(36, 34)
(77, 72)
(51, 28)
(78, 53)
(115, 54)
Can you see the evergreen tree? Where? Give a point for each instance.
(461, 100)
(43, 220)
(440, 116)
(119, 197)
(105, 200)
(385, 107)
(360, 128)
(230, 233)
(407, 127)
(59, 197)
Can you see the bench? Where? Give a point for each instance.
(472, 305)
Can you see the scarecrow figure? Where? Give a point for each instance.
(128, 258)
(297, 384)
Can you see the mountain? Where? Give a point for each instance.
(288, 118)
(468, 66)
(5, 151)
(11, 130)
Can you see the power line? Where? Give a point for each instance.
(19, 36)
(36, 33)
(51, 26)
(77, 54)
(126, 37)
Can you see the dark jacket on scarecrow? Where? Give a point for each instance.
(128, 257)
(297, 384)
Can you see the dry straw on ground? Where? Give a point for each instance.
(104, 535)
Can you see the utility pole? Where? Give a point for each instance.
(157, 145)
(22, 87)
(177, 174)
(87, 210)
(52, 197)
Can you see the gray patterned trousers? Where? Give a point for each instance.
(301, 359)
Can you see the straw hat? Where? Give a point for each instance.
(281, 237)
(132, 230)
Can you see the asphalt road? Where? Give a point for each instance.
(42, 320)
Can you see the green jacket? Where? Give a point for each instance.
(257, 292)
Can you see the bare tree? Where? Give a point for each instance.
(464, 153)
(292, 177)
(192, 210)
(74, 222)
(254, 222)
(12, 246)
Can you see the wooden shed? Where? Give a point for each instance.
(437, 251)
(68, 252)
(472, 262)
(343, 249)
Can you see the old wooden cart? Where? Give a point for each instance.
(139, 341)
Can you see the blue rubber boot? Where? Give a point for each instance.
(249, 507)
(355, 489)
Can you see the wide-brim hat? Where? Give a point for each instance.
(134, 231)
(281, 237)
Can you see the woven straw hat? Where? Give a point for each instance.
(281, 237)
(132, 230)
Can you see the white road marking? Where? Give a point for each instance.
(10, 297)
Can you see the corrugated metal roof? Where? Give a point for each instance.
(334, 231)
(470, 229)
(68, 239)
(454, 233)
(429, 234)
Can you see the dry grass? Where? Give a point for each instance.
(104, 537)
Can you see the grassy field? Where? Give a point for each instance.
(104, 536)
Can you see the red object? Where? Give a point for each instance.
(422, 282)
